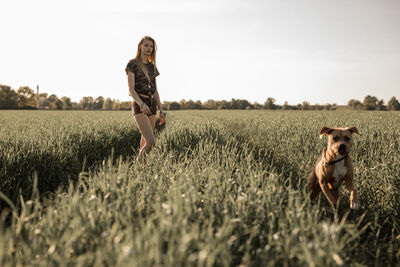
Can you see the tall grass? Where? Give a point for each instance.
(221, 189)
(57, 146)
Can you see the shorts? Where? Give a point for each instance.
(150, 102)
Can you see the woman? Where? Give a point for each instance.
(142, 73)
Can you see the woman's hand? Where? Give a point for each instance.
(144, 108)
(162, 118)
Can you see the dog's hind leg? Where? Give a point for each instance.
(331, 194)
(313, 187)
(336, 196)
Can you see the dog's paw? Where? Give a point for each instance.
(355, 205)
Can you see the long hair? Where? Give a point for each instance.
(151, 58)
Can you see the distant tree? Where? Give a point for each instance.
(381, 105)
(327, 106)
(223, 104)
(234, 104)
(98, 102)
(318, 107)
(370, 102)
(43, 101)
(66, 103)
(164, 105)
(108, 104)
(244, 104)
(305, 105)
(76, 106)
(8, 97)
(393, 104)
(182, 104)
(197, 105)
(125, 105)
(85, 102)
(355, 104)
(58, 104)
(52, 98)
(91, 102)
(285, 105)
(54, 102)
(116, 105)
(26, 97)
(210, 104)
(240, 104)
(190, 104)
(258, 105)
(174, 106)
(270, 103)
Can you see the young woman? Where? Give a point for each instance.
(142, 73)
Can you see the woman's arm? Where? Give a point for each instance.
(135, 96)
(157, 96)
(158, 102)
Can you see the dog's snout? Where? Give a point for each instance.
(342, 148)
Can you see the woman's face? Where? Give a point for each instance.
(147, 47)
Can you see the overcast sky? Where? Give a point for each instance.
(293, 50)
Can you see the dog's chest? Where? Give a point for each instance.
(339, 172)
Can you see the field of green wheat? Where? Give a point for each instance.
(220, 188)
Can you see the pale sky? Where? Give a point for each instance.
(321, 51)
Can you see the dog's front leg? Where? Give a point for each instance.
(331, 194)
(354, 202)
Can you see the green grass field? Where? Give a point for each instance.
(221, 188)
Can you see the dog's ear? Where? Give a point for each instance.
(324, 130)
(353, 130)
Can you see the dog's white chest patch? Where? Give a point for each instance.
(339, 172)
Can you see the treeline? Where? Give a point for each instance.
(270, 103)
(373, 103)
(26, 98)
(369, 103)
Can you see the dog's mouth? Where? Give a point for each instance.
(343, 151)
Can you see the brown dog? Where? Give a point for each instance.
(334, 166)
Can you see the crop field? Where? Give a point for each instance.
(220, 188)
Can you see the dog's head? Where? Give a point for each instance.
(340, 139)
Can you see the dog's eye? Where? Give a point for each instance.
(346, 138)
(336, 138)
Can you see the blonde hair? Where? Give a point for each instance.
(151, 58)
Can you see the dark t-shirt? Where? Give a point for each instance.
(142, 84)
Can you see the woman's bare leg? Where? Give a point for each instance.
(142, 142)
(153, 124)
(145, 125)
(152, 119)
